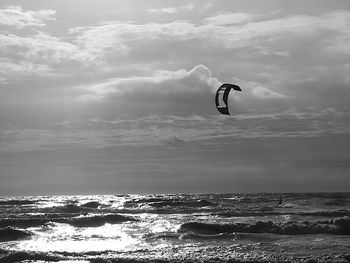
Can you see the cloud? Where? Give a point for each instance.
(275, 51)
(17, 17)
(166, 92)
(173, 130)
(226, 19)
(8, 67)
(231, 37)
(157, 80)
(118, 39)
(191, 92)
(272, 34)
(182, 93)
(172, 10)
(192, 83)
(166, 104)
(40, 46)
(263, 92)
(28, 52)
(40, 55)
(229, 30)
(174, 141)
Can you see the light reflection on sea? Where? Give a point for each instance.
(63, 237)
(159, 226)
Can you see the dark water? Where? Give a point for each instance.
(176, 228)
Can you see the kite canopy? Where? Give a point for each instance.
(223, 92)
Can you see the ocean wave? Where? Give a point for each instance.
(10, 234)
(19, 256)
(169, 201)
(92, 204)
(270, 211)
(147, 200)
(69, 208)
(86, 221)
(184, 203)
(338, 202)
(23, 222)
(16, 202)
(260, 212)
(340, 226)
(182, 236)
(162, 235)
(337, 213)
(217, 256)
(96, 221)
(208, 236)
(72, 209)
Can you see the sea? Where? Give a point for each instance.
(229, 227)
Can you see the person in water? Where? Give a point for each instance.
(280, 201)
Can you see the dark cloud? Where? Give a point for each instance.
(174, 141)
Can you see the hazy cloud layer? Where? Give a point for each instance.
(174, 130)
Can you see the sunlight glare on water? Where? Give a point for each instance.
(63, 237)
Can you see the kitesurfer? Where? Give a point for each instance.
(280, 200)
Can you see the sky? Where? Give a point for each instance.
(105, 96)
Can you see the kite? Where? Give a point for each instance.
(223, 92)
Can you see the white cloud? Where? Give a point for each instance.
(17, 17)
(8, 67)
(270, 32)
(169, 10)
(279, 36)
(162, 83)
(118, 38)
(172, 10)
(257, 91)
(229, 19)
(33, 52)
(180, 93)
(39, 55)
(263, 92)
(40, 46)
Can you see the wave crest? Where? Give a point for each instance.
(339, 226)
(10, 234)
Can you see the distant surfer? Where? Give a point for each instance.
(280, 200)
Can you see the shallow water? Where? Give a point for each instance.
(177, 227)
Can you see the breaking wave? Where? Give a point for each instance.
(266, 211)
(19, 256)
(23, 222)
(16, 202)
(96, 221)
(10, 233)
(92, 204)
(173, 203)
(86, 221)
(339, 226)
